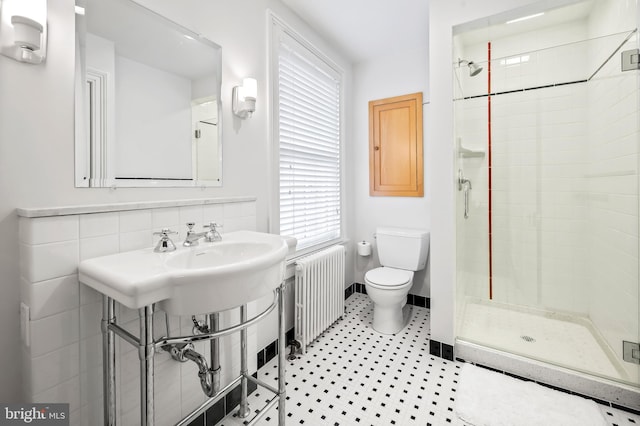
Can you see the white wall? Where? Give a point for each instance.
(37, 135)
(393, 74)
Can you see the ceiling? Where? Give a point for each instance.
(362, 29)
(496, 27)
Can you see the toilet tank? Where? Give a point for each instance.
(403, 248)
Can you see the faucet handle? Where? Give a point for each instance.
(165, 232)
(213, 234)
(165, 244)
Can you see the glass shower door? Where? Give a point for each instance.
(547, 255)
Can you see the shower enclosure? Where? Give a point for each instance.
(547, 152)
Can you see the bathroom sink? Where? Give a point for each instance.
(209, 277)
(220, 254)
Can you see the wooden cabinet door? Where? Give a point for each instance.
(395, 146)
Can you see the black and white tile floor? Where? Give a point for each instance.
(353, 376)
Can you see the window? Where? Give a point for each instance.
(307, 132)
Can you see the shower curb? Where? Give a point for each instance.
(602, 391)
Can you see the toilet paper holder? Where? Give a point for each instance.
(364, 248)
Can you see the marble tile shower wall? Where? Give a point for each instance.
(62, 356)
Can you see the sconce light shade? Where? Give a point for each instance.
(23, 31)
(26, 32)
(250, 88)
(244, 98)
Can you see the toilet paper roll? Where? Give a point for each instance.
(364, 248)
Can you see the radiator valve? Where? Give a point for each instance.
(295, 347)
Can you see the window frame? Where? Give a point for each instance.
(275, 26)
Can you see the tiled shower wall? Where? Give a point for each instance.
(62, 354)
(537, 166)
(539, 213)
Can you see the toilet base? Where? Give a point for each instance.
(388, 304)
(390, 319)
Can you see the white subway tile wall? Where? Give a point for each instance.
(41, 262)
(55, 367)
(50, 230)
(98, 224)
(65, 392)
(167, 218)
(54, 332)
(214, 213)
(99, 246)
(51, 297)
(63, 362)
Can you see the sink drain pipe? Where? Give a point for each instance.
(183, 352)
(209, 377)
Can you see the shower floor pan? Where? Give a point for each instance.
(559, 339)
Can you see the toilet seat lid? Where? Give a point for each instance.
(389, 277)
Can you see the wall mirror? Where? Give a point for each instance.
(147, 100)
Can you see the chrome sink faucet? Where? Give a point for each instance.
(192, 238)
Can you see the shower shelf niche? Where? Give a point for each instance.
(470, 153)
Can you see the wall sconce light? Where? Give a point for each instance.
(244, 98)
(23, 30)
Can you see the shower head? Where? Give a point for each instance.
(474, 69)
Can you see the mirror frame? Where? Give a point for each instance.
(83, 158)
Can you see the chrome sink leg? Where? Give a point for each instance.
(108, 361)
(146, 350)
(214, 346)
(282, 390)
(244, 369)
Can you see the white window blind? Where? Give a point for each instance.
(308, 105)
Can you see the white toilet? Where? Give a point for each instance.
(401, 252)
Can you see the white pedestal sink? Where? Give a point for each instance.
(209, 277)
(202, 279)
